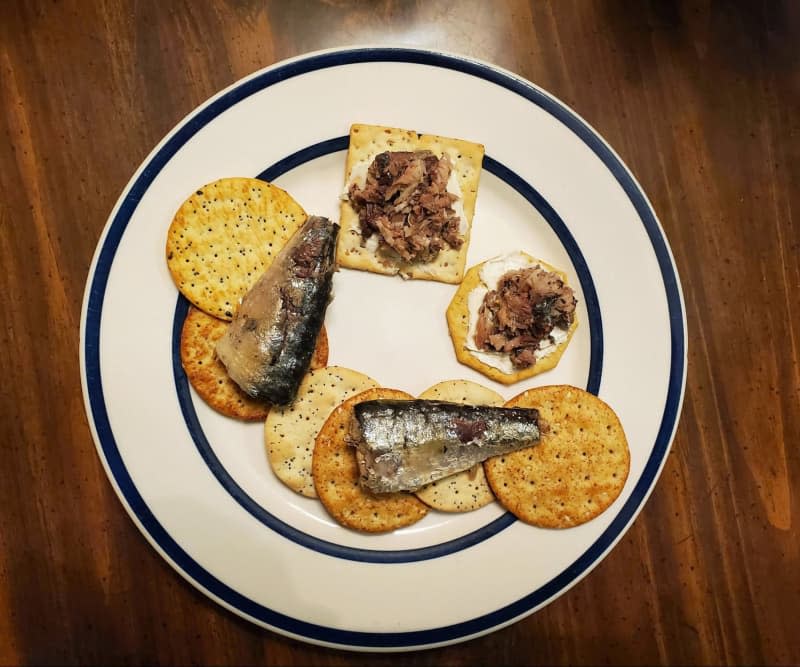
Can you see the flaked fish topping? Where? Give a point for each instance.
(403, 445)
(405, 202)
(521, 313)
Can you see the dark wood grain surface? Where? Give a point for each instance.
(701, 99)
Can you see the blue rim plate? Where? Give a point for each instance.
(183, 474)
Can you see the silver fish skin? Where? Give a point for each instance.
(403, 445)
(268, 346)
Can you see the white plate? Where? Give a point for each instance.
(199, 486)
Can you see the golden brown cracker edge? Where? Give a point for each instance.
(575, 472)
(336, 476)
(457, 316)
(207, 374)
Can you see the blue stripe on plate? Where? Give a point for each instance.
(382, 555)
(175, 553)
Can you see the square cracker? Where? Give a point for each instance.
(367, 141)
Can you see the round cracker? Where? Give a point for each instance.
(290, 431)
(336, 476)
(207, 375)
(575, 472)
(224, 236)
(458, 325)
(468, 490)
(462, 391)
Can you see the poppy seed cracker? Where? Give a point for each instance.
(223, 238)
(575, 472)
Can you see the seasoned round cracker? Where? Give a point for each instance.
(289, 431)
(224, 236)
(468, 490)
(462, 391)
(207, 375)
(575, 472)
(336, 476)
(458, 324)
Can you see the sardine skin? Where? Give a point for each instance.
(268, 346)
(403, 445)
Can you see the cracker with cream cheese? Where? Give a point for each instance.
(355, 252)
(460, 322)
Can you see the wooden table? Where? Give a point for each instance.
(701, 99)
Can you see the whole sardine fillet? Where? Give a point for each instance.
(403, 445)
(268, 346)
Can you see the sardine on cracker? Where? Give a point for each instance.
(208, 376)
(223, 238)
(417, 206)
(268, 346)
(336, 475)
(467, 490)
(506, 321)
(402, 445)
